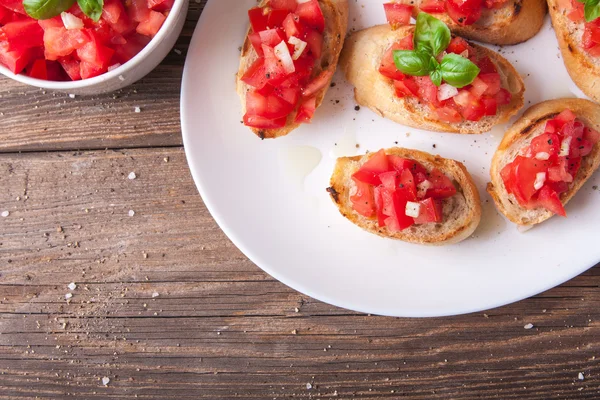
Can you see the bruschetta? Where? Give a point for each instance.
(544, 159)
(499, 22)
(407, 195)
(369, 61)
(288, 59)
(579, 41)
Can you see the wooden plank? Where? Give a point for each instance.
(32, 119)
(166, 307)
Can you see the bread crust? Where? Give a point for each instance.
(462, 212)
(530, 125)
(360, 62)
(515, 22)
(582, 67)
(336, 25)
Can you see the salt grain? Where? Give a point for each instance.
(308, 386)
(132, 175)
(105, 381)
(177, 51)
(580, 376)
(155, 294)
(137, 109)
(5, 214)
(131, 213)
(121, 78)
(72, 286)
(68, 296)
(528, 326)
(72, 96)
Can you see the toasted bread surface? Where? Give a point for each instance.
(336, 25)
(462, 212)
(530, 125)
(514, 22)
(360, 61)
(583, 68)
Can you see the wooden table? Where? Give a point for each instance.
(165, 307)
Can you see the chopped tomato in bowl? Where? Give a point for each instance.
(546, 168)
(399, 192)
(88, 52)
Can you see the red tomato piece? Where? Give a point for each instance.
(369, 172)
(381, 217)
(270, 107)
(427, 90)
(486, 65)
(490, 105)
(21, 35)
(433, 6)
(310, 13)
(442, 186)
(363, 202)
(549, 199)
(38, 69)
(272, 37)
(135, 44)
(96, 55)
(290, 94)
(399, 221)
(258, 122)
(400, 164)
(478, 87)
(112, 11)
(457, 45)
(464, 12)
(388, 66)
(449, 114)
(60, 42)
(508, 177)
(398, 14)
(160, 5)
(258, 19)
(493, 82)
(55, 22)
(151, 25)
(564, 117)
(256, 43)
(389, 180)
(430, 211)
(559, 172)
(577, 13)
(315, 42)
(318, 83)
(288, 5)
(545, 143)
(503, 97)
(14, 5)
(471, 108)
(406, 87)
(306, 110)
(138, 10)
(71, 67)
(525, 173)
(291, 26)
(573, 165)
(273, 67)
(276, 18)
(591, 135)
(408, 183)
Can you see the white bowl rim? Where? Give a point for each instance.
(107, 76)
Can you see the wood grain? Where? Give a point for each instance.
(166, 307)
(32, 119)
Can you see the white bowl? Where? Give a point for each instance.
(126, 74)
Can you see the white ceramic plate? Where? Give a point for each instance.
(289, 227)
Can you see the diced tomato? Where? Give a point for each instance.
(256, 43)
(430, 211)
(427, 90)
(457, 45)
(320, 81)
(490, 105)
(406, 87)
(135, 44)
(363, 202)
(464, 12)
(381, 217)
(291, 25)
(559, 172)
(60, 42)
(548, 143)
(580, 148)
(22, 35)
(138, 10)
(493, 82)
(508, 176)
(577, 13)
(388, 66)
(71, 67)
(306, 110)
(549, 199)
(273, 67)
(591, 135)
(14, 5)
(433, 6)
(408, 183)
(151, 25)
(400, 164)
(398, 14)
(564, 117)
(270, 107)
(478, 87)
(310, 13)
(400, 220)
(525, 172)
(315, 42)
(503, 97)
(288, 5)
(258, 122)
(38, 69)
(55, 22)
(486, 65)
(291, 95)
(112, 10)
(276, 18)
(573, 165)
(369, 172)
(90, 70)
(160, 5)
(471, 108)
(389, 180)
(272, 37)
(442, 186)
(407, 43)
(449, 114)
(258, 19)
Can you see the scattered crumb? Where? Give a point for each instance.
(105, 381)
(72, 286)
(166, 159)
(137, 109)
(132, 175)
(131, 213)
(528, 326)
(580, 376)
(155, 294)
(121, 78)
(294, 332)
(296, 309)
(68, 296)
(177, 51)
(308, 386)
(72, 96)
(5, 214)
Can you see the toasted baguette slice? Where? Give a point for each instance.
(583, 68)
(336, 25)
(514, 22)
(462, 212)
(360, 62)
(530, 125)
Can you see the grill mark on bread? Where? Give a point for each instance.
(517, 9)
(335, 195)
(533, 124)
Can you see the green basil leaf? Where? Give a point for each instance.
(458, 71)
(46, 9)
(436, 77)
(92, 8)
(431, 34)
(592, 10)
(412, 62)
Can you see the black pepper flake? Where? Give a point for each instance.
(357, 108)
